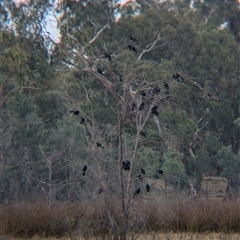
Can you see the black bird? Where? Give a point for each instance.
(166, 86)
(148, 187)
(176, 76)
(108, 56)
(100, 71)
(120, 78)
(84, 170)
(100, 190)
(136, 192)
(126, 165)
(160, 171)
(133, 39)
(156, 90)
(143, 94)
(141, 106)
(75, 112)
(155, 112)
(82, 121)
(142, 133)
(143, 171)
(132, 48)
(140, 177)
(99, 145)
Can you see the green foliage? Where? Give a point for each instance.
(173, 169)
(149, 160)
(229, 162)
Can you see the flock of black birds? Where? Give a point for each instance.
(126, 165)
(131, 47)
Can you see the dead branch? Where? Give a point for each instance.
(203, 90)
(149, 47)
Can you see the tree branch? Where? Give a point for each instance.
(151, 46)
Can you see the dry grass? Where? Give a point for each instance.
(147, 216)
(158, 236)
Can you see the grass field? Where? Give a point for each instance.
(154, 236)
(151, 217)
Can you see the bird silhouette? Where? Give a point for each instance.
(84, 170)
(136, 192)
(133, 39)
(143, 171)
(140, 177)
(141, 106)
(155, 112)
(126, 165)
(108, 56)
(99, 145)
(143, 94)
(142, 133)
(160, 171)
(148, 187)
(82, 121)
(132, 48)
(100, 190)
(75, 112)
(176, 76)
(156, 90)
(166, 85)
(100, 71)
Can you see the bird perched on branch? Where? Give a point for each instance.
(177, 77)
(99, 145)
(108, 56)
(166, 85)
(100, 71)
(148, 187)
(143, 171)
(100, 190)
(136, 192)
(126, 165)
(75, 112)
(142, 133)
(143, 94)
(156, 90)
(141, 106)
(133, 39)
(84, 170)
(132, 48)
(154, 111)
(82, 121)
